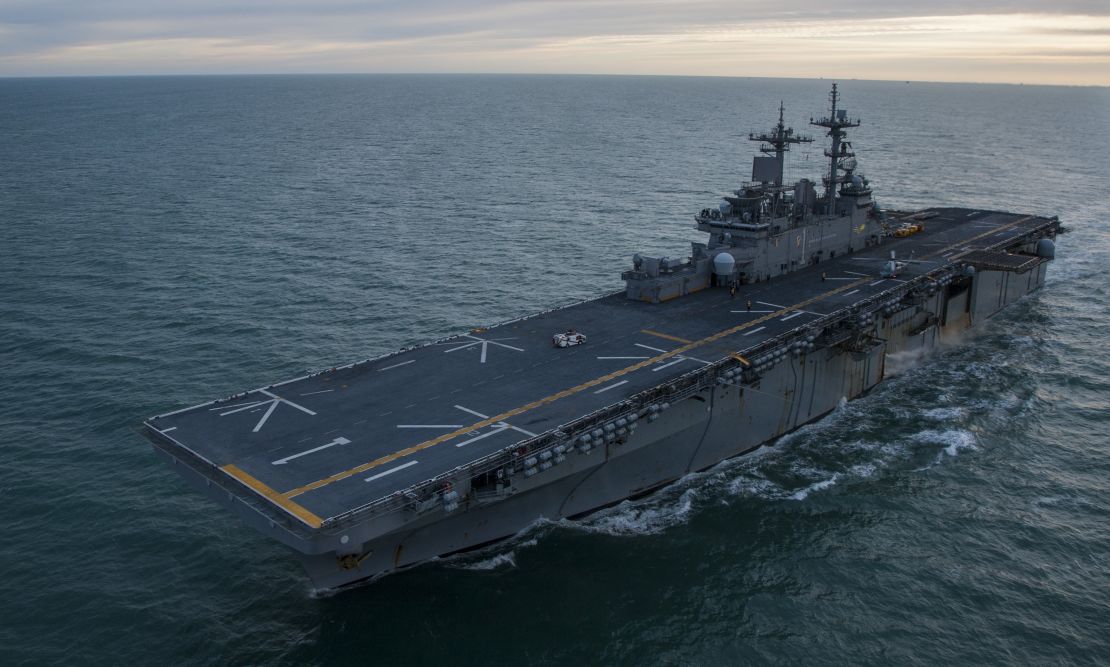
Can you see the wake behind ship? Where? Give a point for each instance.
(793, 303)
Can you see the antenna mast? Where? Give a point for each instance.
(777, 142)
(836, 122)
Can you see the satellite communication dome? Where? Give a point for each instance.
(723, 264)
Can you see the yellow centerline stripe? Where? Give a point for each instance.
(666, 336)
(562, 394)
(601, 380)
(273, 496)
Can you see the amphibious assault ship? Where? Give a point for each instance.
(796, 300)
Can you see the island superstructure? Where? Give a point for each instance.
(793, 303)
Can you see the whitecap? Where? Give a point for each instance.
(802, 494)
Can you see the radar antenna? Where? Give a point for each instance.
(836, 122)
(775, 144)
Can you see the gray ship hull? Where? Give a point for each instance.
(794, 304)
(695, 430)
(693, 435)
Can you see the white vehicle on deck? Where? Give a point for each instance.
(568, 339)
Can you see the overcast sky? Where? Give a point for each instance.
(1028, 41)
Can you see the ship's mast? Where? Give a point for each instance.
(836, 122)
(777, 142)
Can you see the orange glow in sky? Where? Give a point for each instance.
(545, 38)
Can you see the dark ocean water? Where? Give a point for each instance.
(164, 241)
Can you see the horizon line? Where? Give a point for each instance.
(4, 77)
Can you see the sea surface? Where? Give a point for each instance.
(165, 241)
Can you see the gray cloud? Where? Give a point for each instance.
(37, 35)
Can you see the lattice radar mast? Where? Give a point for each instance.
(836, 122)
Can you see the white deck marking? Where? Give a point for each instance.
(877, 282)
(429, 425)
(403, 363)
(751, 311)
(755, 331)
(773, 305)
(851, 293)
(476, 414)
(678, 357)
(612, 386)
(371, 478)
(501, 426)
(167, 430)
(338, 441)
(863, 275)
(273, 405)
(793, 315)
(494, 431)
(313, 393)
(288, 402)
(484, 343)
(239, 405)
(835, 278)
(623, 357)
(677, 360)
(262, 422)
(240, 408)
(971, 214)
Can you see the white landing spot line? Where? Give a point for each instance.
(660, 367)
(499, 426)
(835, 278)
(678, 358)
(851, 293)
(877, 282)
(473, 412)
(313, 393)
(429, 425)
(751, 311)
(273, 406)
(773, 305)
(855, 273)
(971, 214)
(793, 315)
(371, 478)
(237, 408)
(403, 363)
(167, 430)
(755, 331)
(484, 343)
(338, 441)
(623, 357)
(612, 386)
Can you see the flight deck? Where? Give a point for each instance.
(319, 446)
